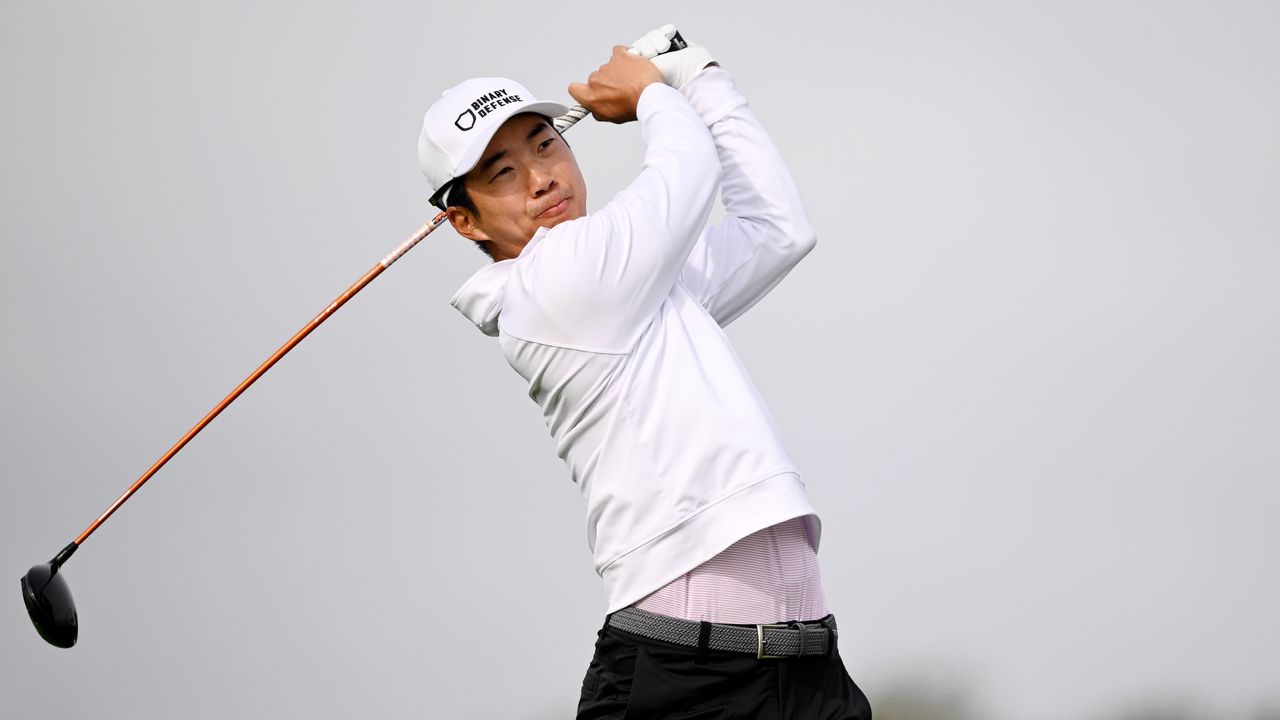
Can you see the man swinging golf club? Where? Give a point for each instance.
(696, 517)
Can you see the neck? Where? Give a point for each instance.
(500, 251)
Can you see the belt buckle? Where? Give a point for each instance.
(760, 642)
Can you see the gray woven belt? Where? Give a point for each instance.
(764, 641)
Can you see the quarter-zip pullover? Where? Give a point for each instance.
(615, 321)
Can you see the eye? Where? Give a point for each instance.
(545, 144)
(500, 173)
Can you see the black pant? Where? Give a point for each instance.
(636, 678)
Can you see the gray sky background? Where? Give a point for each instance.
(1029, 373)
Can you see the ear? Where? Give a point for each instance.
(464, 223)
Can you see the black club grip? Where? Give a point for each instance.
(677, 43)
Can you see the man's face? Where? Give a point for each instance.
(527, 178)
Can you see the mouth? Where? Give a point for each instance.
(555, 210)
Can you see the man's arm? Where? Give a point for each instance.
(600, 279)
(766, 231)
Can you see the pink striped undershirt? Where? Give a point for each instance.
(768, 576)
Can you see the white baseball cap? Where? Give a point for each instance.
(458, 127)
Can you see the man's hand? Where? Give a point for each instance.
(677, 67)
(612, 92)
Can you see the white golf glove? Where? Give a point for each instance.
(677, 67)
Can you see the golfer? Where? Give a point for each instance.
(696, 517)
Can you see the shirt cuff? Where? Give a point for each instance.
(654, 96)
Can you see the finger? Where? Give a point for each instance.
(580, 92)
(662, 42)
(644, 47)
(654, 42)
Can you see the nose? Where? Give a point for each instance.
(540, 181)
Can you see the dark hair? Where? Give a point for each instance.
(456, 195)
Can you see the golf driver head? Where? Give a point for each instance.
(49, 604)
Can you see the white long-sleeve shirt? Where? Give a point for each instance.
(615, 320)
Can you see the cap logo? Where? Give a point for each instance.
(491, 101)
(466, 121)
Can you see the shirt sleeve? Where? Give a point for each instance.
(601, 279)
(765, 232)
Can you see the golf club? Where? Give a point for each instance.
(44, 589)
